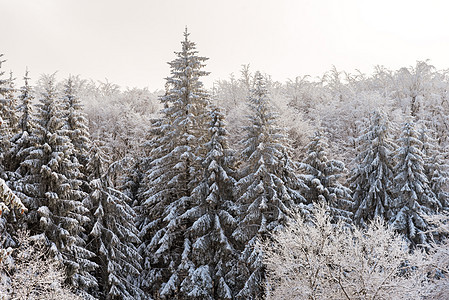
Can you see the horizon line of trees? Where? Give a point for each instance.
(165, 208)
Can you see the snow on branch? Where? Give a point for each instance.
(9, 200)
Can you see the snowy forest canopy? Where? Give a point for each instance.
(170, 194)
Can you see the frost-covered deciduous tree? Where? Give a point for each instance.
(321, 175)
(175, 169)
(342, 120)
(268, 188)
(113, 234)
(300, 93)
(119, 118)
(435, 110)
(30, 274)
(228, 94)
(212, 257)
(318, 259)
(372, 176)
(415, 85)
(334, 82)
(414, 196)
(53, 189)
(438, 259)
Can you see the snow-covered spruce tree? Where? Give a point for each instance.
(5, 129)
(9, 114)
(131, 183)
(76, 122)
(371, 179)
(113, 234)
(211, 259)
(8, 201)
(11, 104)
(435, 166)
(414, 195)
(20, 147)
(3, 82)
(25, 106)
(21, 142)
(7, 119)
(174, 171)
(321, 176)
(54, 197)
(149, 221)
(267, 190)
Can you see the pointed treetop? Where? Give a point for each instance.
(187, 45)
(26, 77)
(69, 85)
(11, 77)
(260, 86)
(187, 63)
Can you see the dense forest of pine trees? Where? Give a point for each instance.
(168, 195)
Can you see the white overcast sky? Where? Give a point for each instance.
(130, 41)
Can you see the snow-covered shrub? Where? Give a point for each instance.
(29, 274)
(439, 257)
(315, 259)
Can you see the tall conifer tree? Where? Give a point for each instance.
(21, 142)
(11, 105)
(174, 171)
(268, 188)
(76, 122)
(435, 166)
(321, 175)
(414, 195)
(372, 178)
(212, 256)
(113, 235)
(5, 129)
(7, 125)
(51, 184)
